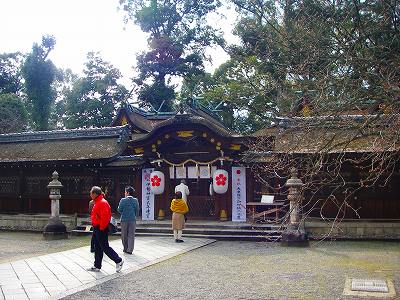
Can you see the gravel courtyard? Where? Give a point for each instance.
(248, 270)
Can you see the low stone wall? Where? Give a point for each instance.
(354, 229)
(33, 222)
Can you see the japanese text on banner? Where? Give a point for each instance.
(147, 196)
(239, 194)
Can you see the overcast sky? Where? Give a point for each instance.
(80, 26)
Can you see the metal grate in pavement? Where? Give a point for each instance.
(369, 285)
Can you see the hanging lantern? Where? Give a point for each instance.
(157, 182)
(220, 181)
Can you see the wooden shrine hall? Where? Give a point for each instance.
(191, 144)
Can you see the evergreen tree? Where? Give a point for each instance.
(10, 73)
(338, 56)
(39, 73)
(178, 34)
(93, 99)
(13, 114)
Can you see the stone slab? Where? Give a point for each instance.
(56, 275)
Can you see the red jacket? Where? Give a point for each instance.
(101, 213)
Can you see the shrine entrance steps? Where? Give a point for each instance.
(200, 229)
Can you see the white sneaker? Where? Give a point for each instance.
(93, 269)
(118, 266)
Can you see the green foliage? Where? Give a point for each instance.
(250, 92)
(39, 74)
(178, 35)
(158, 95)
(195, 85)
(345, 52)
(243, 95)
(201, 87)
(10, 73)
(93, 99)
(338, 56)
(63, 84)
(13, 114)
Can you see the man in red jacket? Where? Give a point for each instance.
(101, 216)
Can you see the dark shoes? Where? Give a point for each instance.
(127, 252)
(178, 241)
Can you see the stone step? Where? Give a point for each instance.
(213, 231)
(226, 237)
(213, 225)
(222, 225)
(206, 231)
(202, 229)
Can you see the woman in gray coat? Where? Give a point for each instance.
(128, 208)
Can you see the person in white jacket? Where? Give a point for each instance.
(183, 188)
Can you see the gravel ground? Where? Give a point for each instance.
(19, 245)
(248, 270)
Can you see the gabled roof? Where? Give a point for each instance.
(145, 121)
(64, 145)
(185, 121)
(134, 117)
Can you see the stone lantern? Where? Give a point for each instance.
(55, 229)
(294, 235)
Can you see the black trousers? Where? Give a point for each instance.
(92, 243)
(101, 246)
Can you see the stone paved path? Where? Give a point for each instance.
(57, 275)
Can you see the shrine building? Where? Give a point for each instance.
(191, 144)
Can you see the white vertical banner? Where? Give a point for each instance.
(147, 196)
(238, 194)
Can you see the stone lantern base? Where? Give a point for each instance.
(294, 238)
(55, 230)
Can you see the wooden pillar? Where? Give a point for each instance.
(218, 200)
(117, 187)
(21, 191)
(138, 186)
(249, 185)
(96, 178)
(228, 194)
(169, 189)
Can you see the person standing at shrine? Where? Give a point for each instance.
(129, 209)
(179, 208)
(183, 188)
(100, 217)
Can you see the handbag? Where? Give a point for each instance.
(112, 226)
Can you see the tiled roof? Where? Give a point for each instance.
(147, 121)
(185, 119)
(64, 145)
(351, 133)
